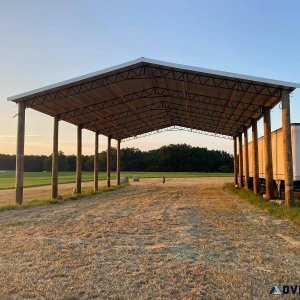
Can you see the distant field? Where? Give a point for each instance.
(7, 179)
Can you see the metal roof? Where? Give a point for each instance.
(145, 95)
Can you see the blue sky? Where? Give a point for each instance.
(44, 42)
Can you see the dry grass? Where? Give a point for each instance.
(189, 239)
(7, 197)
(280, 211)
(60, 200)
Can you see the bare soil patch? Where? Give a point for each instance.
(187, 239)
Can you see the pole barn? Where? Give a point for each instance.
(145, 95)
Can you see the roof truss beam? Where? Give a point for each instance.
(165, 117)
(173, 119)
(164, 106)
(107, 104)
(156, 92)
(175, 128)
(213, 81)
(140, 129)
(85, 86)
(205, 99)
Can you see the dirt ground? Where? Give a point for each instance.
(188, 239)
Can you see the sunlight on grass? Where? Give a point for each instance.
(280, 211)
(32, 179)
(69, 197)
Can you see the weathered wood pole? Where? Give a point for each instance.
(255, 157)
(246, 159)
(241, 183)
(108, 161)
(96, 161)
(268, 153)
(55, 158)
(78, 159)
(287, 150)
(20, 152)
(235, 162)
(118, 161)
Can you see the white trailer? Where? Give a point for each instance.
(277, 155)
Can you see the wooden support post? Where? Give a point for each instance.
(268, 154)
(78, 159)
(241, 183)
(108, 163)
(287, 151)
(118, 161)
(246, 159)
(55, 158)
(96, 161)
(20, 152)
(255, 157)
(235, 162)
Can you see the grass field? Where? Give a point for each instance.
(31, 179)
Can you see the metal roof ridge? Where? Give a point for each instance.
(156, 62)
(222, 73)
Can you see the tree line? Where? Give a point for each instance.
(172, 158)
